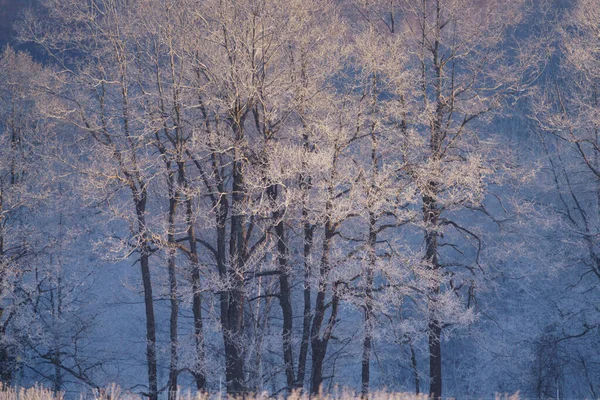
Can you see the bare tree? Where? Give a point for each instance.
(18, 129)
(451, 79)
(567, 116)
(99, 87)
(254, 148)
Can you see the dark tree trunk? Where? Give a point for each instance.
(307, 314)
(319, 346)
(171, 261)
(366, 356)
(235, 374)
(150, 326)
(6, 365)
(368, 307)
(173, 335)
(305, 185)
(285, 296)
(234, 367)
(173, 295)
(435, 361)
(318, 356)
(415, 369)
(431, 214)
(56, 360)
(431, 218)
(224, 295)
(319, 341)
(198, 373)
(140, 205)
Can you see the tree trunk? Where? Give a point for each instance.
(318, 356)
(199, 374)
(320, 341)
(307, 314)
(173, 320)
(235, 374)
(234, 367)
(319, 345)
(431, 214)
(221, 219)
(173, 295)
(368, 307)
(305, 185)
(413, 364)
(140, 205)
(57, 311)
(286, 303)
(431, 218)
(435, 360)
(150, 325)
(366, 356)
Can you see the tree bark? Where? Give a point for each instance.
(320, 341)
(307, 314)
(431, 214)
(198, 373)
(435, 360)
(413, 364)
(305, 185)
(173, 295)
(368, 309)
(285, 295)
(368, 273)
(431, 218)
(140, 205)
(319, 346)
(235, 374)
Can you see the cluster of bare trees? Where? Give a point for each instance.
(567, 112)
(276, 170)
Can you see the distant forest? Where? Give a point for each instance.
(243, 196)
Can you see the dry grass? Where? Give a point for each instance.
(34, 393)
(114, 392)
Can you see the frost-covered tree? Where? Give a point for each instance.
(443, 71)
(44, 321)
(281, 172)
(567, 114)
(18, 195)
(96, 93)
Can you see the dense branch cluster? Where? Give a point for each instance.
(298, 185)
